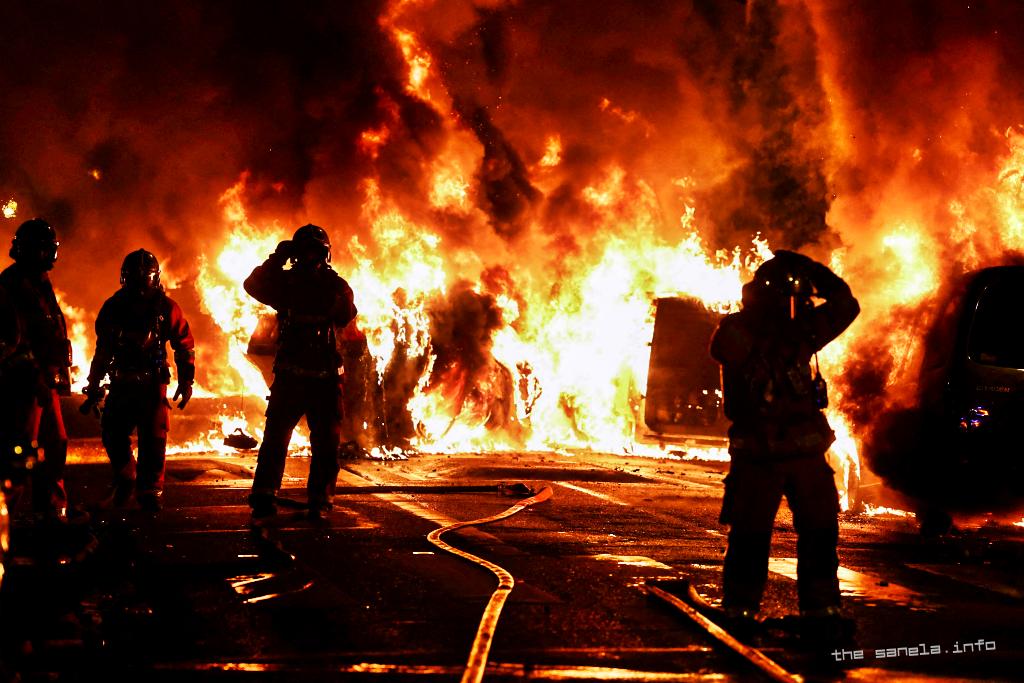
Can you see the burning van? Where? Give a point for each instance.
(684, 384)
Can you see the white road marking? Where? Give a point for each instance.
(595, 494)
(408, 504)
(633, 561)
(679, 481)
(868, 587)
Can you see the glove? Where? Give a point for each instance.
(285, 250)
(184, 392)
(94, 394)
(89, 405)
(826, 283)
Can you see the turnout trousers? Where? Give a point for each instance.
(141, 407)
(291, 397)
(753, 491)
(29, 421)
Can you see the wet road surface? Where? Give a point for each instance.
(194, 592)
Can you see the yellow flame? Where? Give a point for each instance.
(1010, 191)
(10, 208)
(221, 294)
(418, 61)
(82, 342)
(212, 441)
(450, 190)
(576, 361)
(626, 116)
(552, 152)
(879, 510)
(914, 259)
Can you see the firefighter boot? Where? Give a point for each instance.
(151, 501)
(120, 494)
(264, 510)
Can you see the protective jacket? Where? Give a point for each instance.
(42, 337)
(132, 332)
(766, 372)
(10, 331)
(312, 304)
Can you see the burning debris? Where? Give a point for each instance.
(239, 440)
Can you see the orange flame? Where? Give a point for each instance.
(82, 342)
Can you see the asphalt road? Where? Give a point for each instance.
(194, 593)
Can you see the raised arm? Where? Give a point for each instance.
(265, 283)
(840, 309)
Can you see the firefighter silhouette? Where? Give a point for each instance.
(35, 364)
(313, 304)
(133, 329)
(779, 435)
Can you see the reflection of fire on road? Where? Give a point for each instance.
(510, 185)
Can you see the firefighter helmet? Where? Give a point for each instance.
(140, 271)
(784, 277)
(35, 244)
(311, 241)
(781, 284)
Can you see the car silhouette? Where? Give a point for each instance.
(958, 449)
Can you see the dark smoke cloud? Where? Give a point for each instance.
(539, 69)
(664, 90)
(774, 93)
(461, 326)
(169, 102)
(505, 189)
(464, 372)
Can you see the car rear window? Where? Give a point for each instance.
(997, 331)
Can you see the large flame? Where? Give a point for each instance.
(82, 340)
(578, 360)
(552, 174)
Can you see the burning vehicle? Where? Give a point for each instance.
(958, 448)
(684, 385)
(983, 391)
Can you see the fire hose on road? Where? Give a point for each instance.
(768, 666)
(477, 662)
